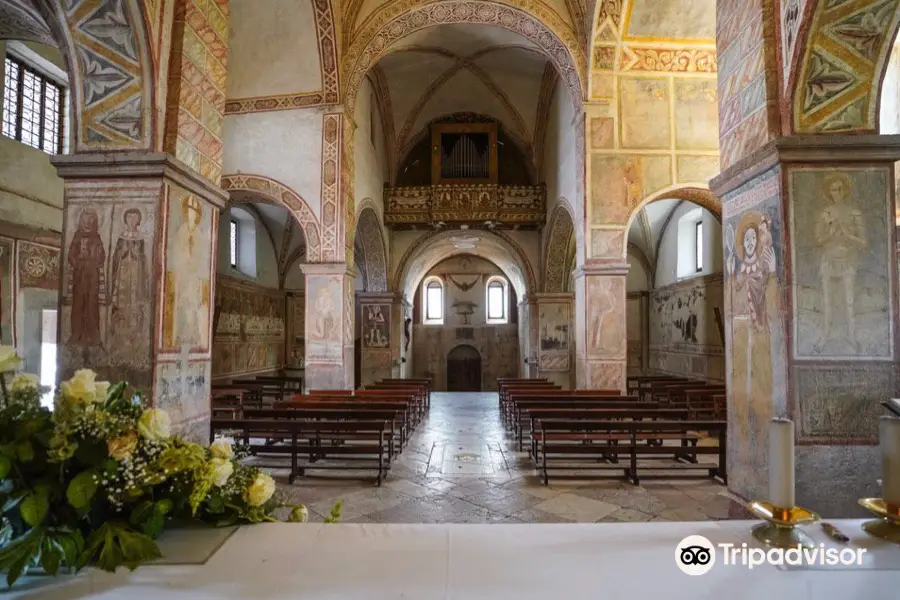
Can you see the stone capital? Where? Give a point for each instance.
(380, 297)
(137, 164)
(808, 149)
(541, 297)
(600, 269)
(325, 269)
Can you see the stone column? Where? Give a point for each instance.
(382, 316)
(528, 337)
(600, 334)
(811, 311)
(137, 277)
(553, 332)
(329, 326)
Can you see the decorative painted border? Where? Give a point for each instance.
(562, 230)
(399, 19)
(332, 132)
(282, 195)
(371, 238)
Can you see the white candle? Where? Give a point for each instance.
(890, 459)
(781, 463)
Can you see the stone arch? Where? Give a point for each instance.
(698, 195)
(282, 195)
(559, 242)
(538, 24)
(835, 86)
(495, 246)
(110, 71)
(370, 240)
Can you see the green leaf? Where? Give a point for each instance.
(5, 466)
(8, 450)
(15, 571)
(154, 525)
(50, 558)
(163, 507)
(25, 451)
(141, 513)
(81, 489)
(34, 508)
(114, 545)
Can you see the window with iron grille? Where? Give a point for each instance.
(33, 108)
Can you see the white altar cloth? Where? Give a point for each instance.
(472, 562)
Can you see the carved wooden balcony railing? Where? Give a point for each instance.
(502, 205)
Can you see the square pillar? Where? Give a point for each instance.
(552, 316)
(811, 311)
(381, 336)
(528, 337)
(138, 272)
(329, 326)
(600, 333)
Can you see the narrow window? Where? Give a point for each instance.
(496, 301)
(234, 244)
(434, 302)
(698, 246)
(33, 108)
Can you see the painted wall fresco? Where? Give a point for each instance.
(754, 326)
(606, 317)
(645, 116)
(840, 226)
(555, 323)
(250, 329)
(37, 266)
(684, 335)
(498, 346)
(182, 389)
(324, 319)
(296, 318)
(6, 292)
(376, 326)
(195, 111)
(106, 309)
(186, 320)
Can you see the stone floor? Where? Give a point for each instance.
(461, 467)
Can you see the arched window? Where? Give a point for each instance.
(433, 293)
(691, 244)
(497, 301)
(241, 242)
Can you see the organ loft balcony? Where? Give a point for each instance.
(464, 170)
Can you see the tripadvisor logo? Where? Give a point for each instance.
(696, 555)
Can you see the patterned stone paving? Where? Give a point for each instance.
(462, 467)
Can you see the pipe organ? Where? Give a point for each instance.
(463, 153)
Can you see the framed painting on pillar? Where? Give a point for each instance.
(554, 321)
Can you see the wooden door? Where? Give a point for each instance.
(464, 370)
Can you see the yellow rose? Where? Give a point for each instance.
(9, 360)
(24, 382)
(122, 447)
(222, 470)
(101, 390)
(82, 387)
(221, 449)
(260, 490)
(154, 424)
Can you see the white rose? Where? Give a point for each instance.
(24, 382)
(222, 470)
(9, 360)
(260, 490)
(81, 387)
(221, 449)
(101, 390)
(154, 424)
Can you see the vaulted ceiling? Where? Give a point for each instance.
(465, 68)
(20, 20)
(279, 228)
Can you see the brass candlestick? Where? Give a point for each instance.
(887, 525)
(780, 529)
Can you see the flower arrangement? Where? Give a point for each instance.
(94, 481)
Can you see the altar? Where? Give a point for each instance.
(468, 562)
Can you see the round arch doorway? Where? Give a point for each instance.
(464, 369)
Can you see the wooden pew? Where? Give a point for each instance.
(629, 436)
(640, 411)
(526, 406)
(512, 417)
(303, 439)
(401, 411)
(515, 388)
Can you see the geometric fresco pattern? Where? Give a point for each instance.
(838, 86)
(111, 103)
(559, 240)
(370, 241)
(331, 184)
(532, 20)
(20, 21)
(282, 195)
